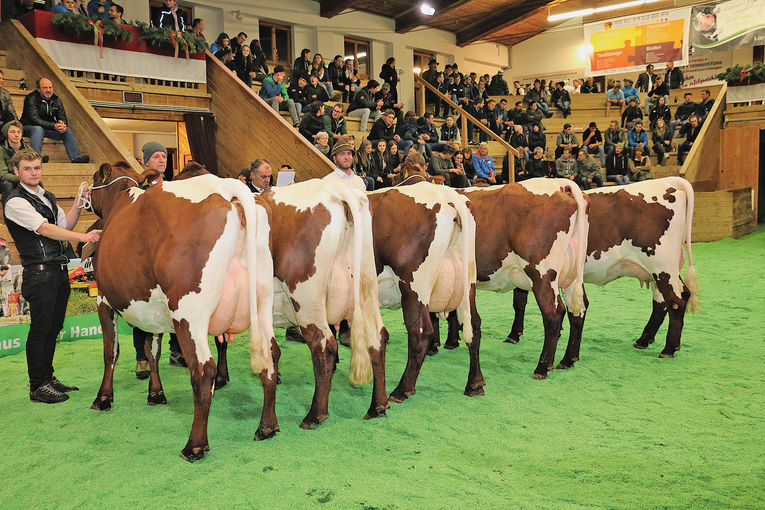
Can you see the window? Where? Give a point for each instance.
(276, 41)
(421, 61)
(155, 8)
(359, 51)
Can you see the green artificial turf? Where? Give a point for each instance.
(623, 429)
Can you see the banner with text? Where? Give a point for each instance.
(727, 25)
(629, 43)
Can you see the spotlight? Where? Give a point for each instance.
(427, 9)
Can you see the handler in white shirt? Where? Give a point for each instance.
(342, 155)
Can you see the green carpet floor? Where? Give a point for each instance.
(623, 429)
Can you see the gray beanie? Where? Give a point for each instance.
(149, 148)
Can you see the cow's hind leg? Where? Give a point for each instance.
(415, 319)
(105, 397)
(153, 349)
(658, 312)
(268, 424)
(675, 308)
(196, 351)
(576, 324)
(520, 297)
(324, 353)
(453, 335)
(553, 310)
(434, 340)
(221, 376)
(475, 382)
(379, 396)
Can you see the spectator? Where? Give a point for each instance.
(322, 143)
(219, 43)
(615, 97)
(378, 167)
(517, 89)
(481, 91)
(691, 131)
(428, 133)
(685, 110)
(336, 73)
(303, 65)
(566, 140)
(7, 110)
(561, 99)
(260, 65)
(244, 176)
(645, 80)
(314, 90)
(260, 175)
(491, 121)
(392, 159)
(703, 108)
(13, 143)
(588, 171)
(450, 133)
(245, 65)
(631, 114)
(99, 8)
(170, 17)
(565, 165)
(637, 135)
(518, 117)
(238, 42)
(444, 88)
(223, 51)
(389, 76)
(298, 92)
(536, 166)
(313, 122)
(641, 165)
(459, 166)
(503, 114)
(22, 7)
(630, 92)
(673, 76)
(197, 28)
(618, 166)
(275, 94)
(537, 138)
(661, 111)
(364, 105)
(388, 103)
(661, 136)
(441, 164)
(407, 132)
(44, 117)
(467, 162)
(351, 81)
(116, 12)
(612, 137)
(658, 90)
(383, 128)
(593, 142)
(363, 163)
(457, 92)
(64, 7)
(519, 142)
(484, 165)
(334, 124)
(498, 85)
(534, 116)
(320, 71)
(430, 76)
(610, 83)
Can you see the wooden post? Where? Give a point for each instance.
(421, 96)
(463, 131)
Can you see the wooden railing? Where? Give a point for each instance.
(702, 164)
(248, 128)
(93, 136)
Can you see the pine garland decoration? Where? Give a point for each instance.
(78, 25)
(160, 37)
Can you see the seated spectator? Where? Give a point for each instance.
(99, 8)
(459, 165)
(480, 91)
(312, 122)
(519, 142)
(407, 133)
(503, 114)
(450, 133)
(661, 136)
(298, 92)
(442, 86)
(467, 163)
(275, 94)
(244, 176)
(618, 166)
(322, 143)
(237, 42)
(517, 89)
(593, 142)
(314, 90)
(457, 91)
(588, 171)
(568, 87)
(498, 85)
(537, 138)
(615, 97)
(363, 163)
(685, 110)
(320, 70)
(116, 12)
(260, 176)
(245, 65)
(260, 65)
(383, 128)
(350, 80)
(388, 102)
(336, 73)
(44, 117)
(364, 105)
(631, 114)
(427, 132)
(490, 120)
(641, 165)
(534, 116)
(64, 7)
(484, 165)
(613, 136)
(13, 143)
(637, 135)
(661, 111)
(536, 166)
(561, 99)
(7, 110)
(170, 17)
(565, 165)
(218, 44)
(303, 65)
(441, 164)
(223, 51)
(379, 168)
(518, 117)
(588, 87)
(704, 107)
(392, 159)
(691, 132)
(630, 92)
(334, 124)
(658, 90)
(566, 140)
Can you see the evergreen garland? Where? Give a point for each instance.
(744, 75)
(77, 24)
(160, 37)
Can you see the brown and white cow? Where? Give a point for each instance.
(639, 231)
(191, 257)
(424, 251)
(533, 237)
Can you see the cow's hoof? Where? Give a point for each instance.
(220, 382)
(475, 389)
(642, 344)
(565, 364)
(538, 377)
(451, 345)
(378, 412)
(399, 396)
(102, 403)
(194, 454)
(312, 423)
(432, 349)
(512, 339)
(156, 397)
(667, 354)
(264, 432)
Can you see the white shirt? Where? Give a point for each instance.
(21, 212)
(351, 180)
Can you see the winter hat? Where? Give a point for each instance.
(149, 148)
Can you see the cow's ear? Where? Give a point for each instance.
(102, 174)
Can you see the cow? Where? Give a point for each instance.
(191, 257)
(532, 236)
(424, 252)
(639, 231)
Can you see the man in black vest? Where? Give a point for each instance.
(41, 229)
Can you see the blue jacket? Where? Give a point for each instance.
(93, 8)
(642, 138)
(483, 166)
(272, 89)
(60, 9)
(630, 91)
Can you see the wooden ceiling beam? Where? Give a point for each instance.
(331, 8)
(413, 18)
(501, 20)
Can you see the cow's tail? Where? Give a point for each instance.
(581, 231)
(690, 278)
(468, 264)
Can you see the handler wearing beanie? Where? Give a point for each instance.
(342, 155)
(154, 158)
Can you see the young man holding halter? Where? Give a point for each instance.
(41, 230)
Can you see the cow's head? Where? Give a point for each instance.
(110, 179)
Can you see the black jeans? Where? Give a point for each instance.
(139, 339)
(47, 293)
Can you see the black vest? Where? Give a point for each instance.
(35, 248)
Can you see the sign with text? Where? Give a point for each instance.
(629, 43)
(727, 25)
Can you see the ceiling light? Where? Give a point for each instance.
(427, 9)
(605, 8)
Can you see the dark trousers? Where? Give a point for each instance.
(139, 340)
(47, 293)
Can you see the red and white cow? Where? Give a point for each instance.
(191, 257)
(639, 231)
(424, 251)
(533, 237)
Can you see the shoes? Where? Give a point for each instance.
(82, 159)
(142, 370)
(47, 394)
(45, 158)
(59, 386)
(177, 359)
